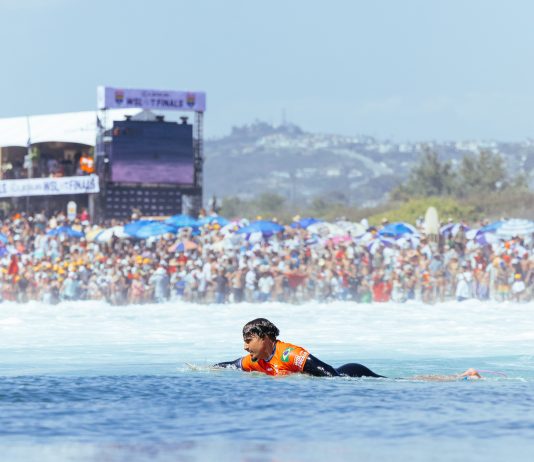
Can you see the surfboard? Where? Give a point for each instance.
(431, 222)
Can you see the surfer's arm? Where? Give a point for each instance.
(469, 374)
(317, 368)
(231, 364)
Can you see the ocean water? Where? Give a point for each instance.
(86, 381)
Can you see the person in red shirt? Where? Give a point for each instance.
(181, 258)
(13, 269)
(268, 355)
(381, 288)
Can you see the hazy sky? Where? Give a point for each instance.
(398, 69)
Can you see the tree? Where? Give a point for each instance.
(319, 205)
(270, 203)
(429, 178)
(233, 207)
(476, 176)
(484, 173)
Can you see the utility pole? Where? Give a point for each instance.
(28, 161)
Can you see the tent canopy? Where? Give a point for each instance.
(70, 127)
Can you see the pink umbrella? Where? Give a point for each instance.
(338, 239)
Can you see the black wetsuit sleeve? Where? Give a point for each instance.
(316, 367)
(236, 363)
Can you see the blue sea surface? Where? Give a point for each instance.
(100, 383)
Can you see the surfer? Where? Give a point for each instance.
(271, 356)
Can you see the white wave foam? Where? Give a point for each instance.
(93, 332)
(10, 321)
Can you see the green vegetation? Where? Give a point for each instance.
(484, 173)
(413, 208)
(430, 178)
(266, 205)
(478, 187)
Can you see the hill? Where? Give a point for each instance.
(301, 166)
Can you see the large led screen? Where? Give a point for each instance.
(152, 152)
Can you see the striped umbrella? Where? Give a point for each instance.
(325, 229)
(451, 229)
(380, 241)
(354, 229)
(106, 235)
(516, 227)
(409, 241)
(374, 241)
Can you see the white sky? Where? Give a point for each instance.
(404, 70)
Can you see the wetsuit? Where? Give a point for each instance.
(288, 358)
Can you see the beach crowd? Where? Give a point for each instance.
(213, 264)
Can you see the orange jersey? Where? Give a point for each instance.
(287, 358)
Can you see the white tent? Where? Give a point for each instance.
(70, 127)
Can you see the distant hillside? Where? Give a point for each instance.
(301, 166)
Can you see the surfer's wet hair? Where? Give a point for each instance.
(261, 327)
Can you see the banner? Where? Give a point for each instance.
(121, 98)
(49, 186)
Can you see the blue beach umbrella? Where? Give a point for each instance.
(66, 231)
(487, 234)
(492, 227)
(3, 238)
(132, 228)
(156, 228)
(304, 222)
(397, 230)
(479, 235)
(483, 239)
(182, 221)
(267, 228)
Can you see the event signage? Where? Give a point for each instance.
(49, 186)
(124, 98)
